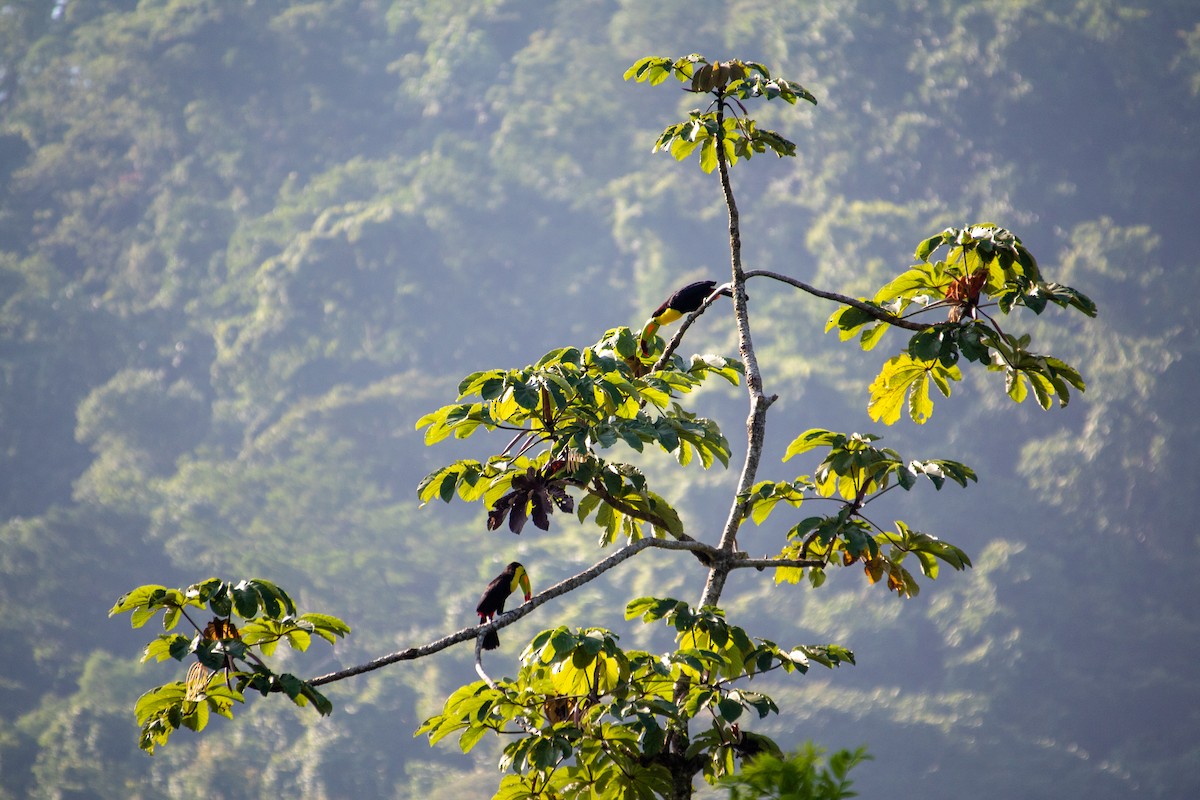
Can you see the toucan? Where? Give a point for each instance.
(492, 601)
(684, 301)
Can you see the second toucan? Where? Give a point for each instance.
(491, 603)
(682, 302)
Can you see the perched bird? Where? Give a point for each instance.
(492, 601)
(684, 301)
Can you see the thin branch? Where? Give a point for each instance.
(866, 308)
(521, 432)
(1003, 338)
(878, 495)
(527, 726)
(673, 345)
(532, 442)
(184, 613)
(508, 618)
(772, 563)
(598, 490)
(479, 670)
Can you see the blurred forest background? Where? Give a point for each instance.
(245, 245)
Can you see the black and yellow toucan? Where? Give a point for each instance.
(683, 302)
(492, 601)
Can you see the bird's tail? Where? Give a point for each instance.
(490, 639)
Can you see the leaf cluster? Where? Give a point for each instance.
(985, 267)
(725, 122)
(591, 718)
(229, 655)
(859, 473)
(562, 411)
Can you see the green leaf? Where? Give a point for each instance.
(653, 70)
(926, 345)
(708, 155)
(920, 407)
(526, 396)
(928, 246)
(275, 601)
(320, 702)
(729, 709)
(196, 719)
(696, 699)
(1042, 387)
(1014, 385)
(142, 615)
(298, 639)
(172, 645)
(245, 600)
(471, 737)
(788, 575)
(140, 596)
(327, 627)
(847, 320)
(873, 336)
(813, 437)
(639, 606)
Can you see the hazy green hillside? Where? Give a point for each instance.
(244, 246)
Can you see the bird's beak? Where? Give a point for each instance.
(523, 578)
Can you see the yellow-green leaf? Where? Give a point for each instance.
(920, 407)
(1014, 384)
(890, 387)
(1042, 388)
(471, 736)
(788, 575)
(901, 375)
(708, 155)
(813, 437)
(872, 336)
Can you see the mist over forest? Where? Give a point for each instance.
(246, 245)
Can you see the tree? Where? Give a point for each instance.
(588, 716)
(803, 775)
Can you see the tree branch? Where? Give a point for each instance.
(479, 670)
(756, 423)
(508, 618)
(673, 345)
(771, 563)
(864, 307)
(645, 516)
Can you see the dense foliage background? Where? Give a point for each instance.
(245, 245)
